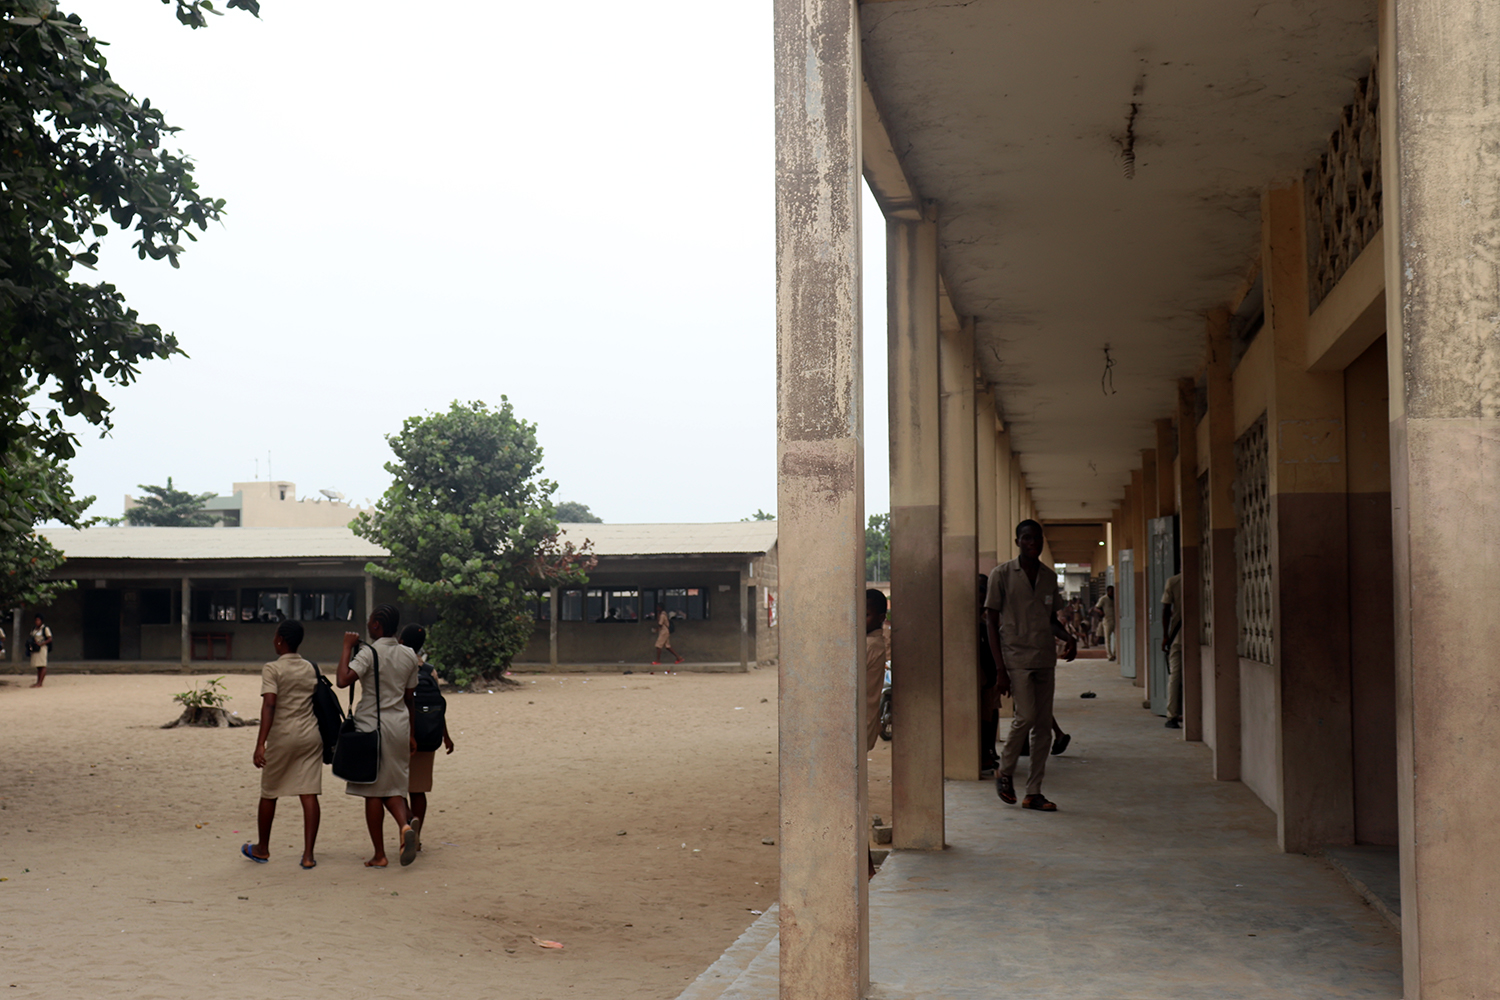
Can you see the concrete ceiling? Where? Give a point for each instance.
(1014, 117)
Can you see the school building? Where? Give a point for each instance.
(1218, 281)
(211, 598)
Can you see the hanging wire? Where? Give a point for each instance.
(1107, 380)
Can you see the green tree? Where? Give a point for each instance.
(166, 507)
(878, 547)
(469, 525)
(759, 515)
(573, 512)
(34, 490)
(76, 148)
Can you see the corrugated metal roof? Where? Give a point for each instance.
(674, 539)
(211, 543)
(340, 543)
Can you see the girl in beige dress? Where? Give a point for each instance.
(41, 638)
(398, 681)
(289, 748)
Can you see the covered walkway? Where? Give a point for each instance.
(1153, 880)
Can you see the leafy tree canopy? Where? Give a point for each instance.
(759, 515)
(34, 490)
(167, 507)
(470, 528)
(878, 547)
(573, 512)
(78, 152)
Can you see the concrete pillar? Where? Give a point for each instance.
(1309, 551)
(820, 502)
(1223, 655)
(552, 605)
(1017, 502)
(745, 618)
(985, 493)
(1147, 604)
(1005, 525)
(1166, 480)
(18, 632)
(369, 600)
(960, 605)
(1440, 65)
(185, 634)
(1188, 534)
(916, 535)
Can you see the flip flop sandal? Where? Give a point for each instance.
(1005, 788)
(247, 852)
(1061, 743)
(1039, 802)
(408, 845)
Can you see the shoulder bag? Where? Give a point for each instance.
(356, 756)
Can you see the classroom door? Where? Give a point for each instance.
(1125, 611)
(101, 624)
(1163, 534)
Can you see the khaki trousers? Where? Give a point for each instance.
(1109, 637)
(1174, 679)
(1033, 691)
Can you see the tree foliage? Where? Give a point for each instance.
(470, 528)
(34, 490)
(878, 547)
(168, 507)
(78, 152)
(573, 512)
(759, 515)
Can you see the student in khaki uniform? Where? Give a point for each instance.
(1020, 614)
(875, 657)
(1171, 644)
(1106, 606)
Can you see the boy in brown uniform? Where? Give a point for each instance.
(1020, 616)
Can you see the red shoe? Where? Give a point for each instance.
(679, 659)
(656, 663)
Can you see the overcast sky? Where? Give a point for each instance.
(567, 204)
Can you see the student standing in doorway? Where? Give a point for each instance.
(1106, 607)
(1020, 615)
(663, 635)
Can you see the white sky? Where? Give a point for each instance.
(568, 204)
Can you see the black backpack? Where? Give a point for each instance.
(325, 703)
(429, 710)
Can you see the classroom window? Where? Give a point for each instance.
(690, 603)
(541, 601)
(214, 605)
(615, 604)
(570, 606)
(156, 606)
(323, 605)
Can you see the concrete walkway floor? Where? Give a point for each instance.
(1151, 881)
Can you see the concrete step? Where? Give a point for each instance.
(727, 974)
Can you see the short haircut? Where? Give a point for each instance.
(389, 619)
(414, 636)
(1029, 523)
(291, 633)
(875, 601)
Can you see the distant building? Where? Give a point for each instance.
(274, 504)
(157, 597)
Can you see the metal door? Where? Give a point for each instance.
(1125, 612)
(1163, 564)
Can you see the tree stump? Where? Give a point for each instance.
(216, 718)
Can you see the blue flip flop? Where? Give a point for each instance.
(247, 852)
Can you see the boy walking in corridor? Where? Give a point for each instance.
(1020, 615)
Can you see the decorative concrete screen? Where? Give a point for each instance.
(1205, 565)
(1252, 542)
(1343, 193)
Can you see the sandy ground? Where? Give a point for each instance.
(620, 815)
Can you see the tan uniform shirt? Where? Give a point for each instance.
(1172, 595)
(1026, 615)
(1106, 604)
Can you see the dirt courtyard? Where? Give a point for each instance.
(620, 815)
